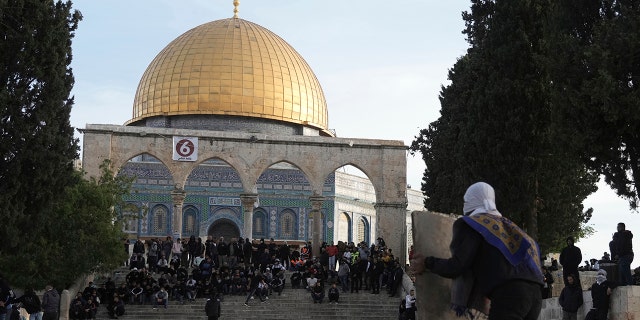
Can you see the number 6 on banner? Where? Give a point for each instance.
(185, 149)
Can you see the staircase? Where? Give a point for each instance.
(292, 304)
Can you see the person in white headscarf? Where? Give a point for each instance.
(480, 198)
(491, 259)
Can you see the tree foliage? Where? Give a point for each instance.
(498, 125)
(54, 225)
(36, 139)
(81, 235)
(595, 60)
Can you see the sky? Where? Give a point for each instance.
(381, 65)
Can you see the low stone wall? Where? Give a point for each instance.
(625, 305)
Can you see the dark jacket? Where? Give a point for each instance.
(571, 298)
(51, 301)
(489, 267)
(212, 307)
(599, 295)
(622, 242)
(570, 259)
(30, 302)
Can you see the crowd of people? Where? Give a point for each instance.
(183, 271)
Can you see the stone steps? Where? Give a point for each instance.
(292, 304)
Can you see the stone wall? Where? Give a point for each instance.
(625, 305)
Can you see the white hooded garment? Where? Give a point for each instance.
(480, 198)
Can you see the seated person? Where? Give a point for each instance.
(334, 293)
(277, 284)
(77, 307)
(198, 260)
(311, 282)
(90, 309)
(191, 288)
(161, 297)
(263, 289)
(115, 308)
(137, 294)
(296, 279)
(317, 293)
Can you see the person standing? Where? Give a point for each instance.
(31, 303)
(176, 251)
(212, 307)
(600, 295)
(6, 298)
(570, 299)
(570, 258)
(506, 270)
(547, 290)
(50, 304)
(410, 305)
(622, 251)
(223, 253)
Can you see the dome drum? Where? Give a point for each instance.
(226, 123)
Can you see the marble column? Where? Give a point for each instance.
(316, 213)
(391, 227)
(177, 195)
(248, 201)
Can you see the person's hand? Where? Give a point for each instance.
(419, 263)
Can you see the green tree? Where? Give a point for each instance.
(82, 234)
(595, 62)
(497, 125)
(55, 225)
(36, 139)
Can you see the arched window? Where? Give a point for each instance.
(287, 225)
(159, 220)
(362, 231)
(344, 227)
(130, 221)
(189, 224)
(259, 224)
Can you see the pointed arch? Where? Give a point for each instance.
(159, 220)
(147, 170)
(283, 176)
(260, 223)
(190, 221)
(288, 220)
(363, 231)
(213, 173)
(344, 227)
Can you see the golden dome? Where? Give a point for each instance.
(231, 67)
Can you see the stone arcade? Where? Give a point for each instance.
(229, 136)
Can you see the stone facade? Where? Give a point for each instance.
(179, 194)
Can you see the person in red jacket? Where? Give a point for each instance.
(332, 250)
